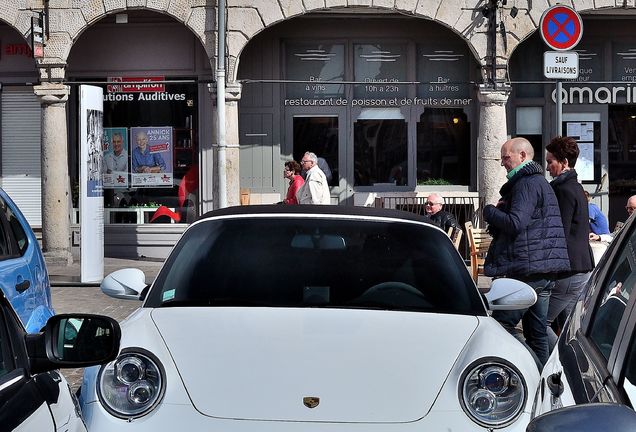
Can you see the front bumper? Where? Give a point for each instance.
(175, 417)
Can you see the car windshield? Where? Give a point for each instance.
(316, 262)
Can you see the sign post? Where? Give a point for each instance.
(561, 29)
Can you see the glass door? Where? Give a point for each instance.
(323, 135)
(622, 160)
(380, 148)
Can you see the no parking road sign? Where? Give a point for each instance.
(561, 27)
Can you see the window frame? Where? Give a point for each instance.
(598, 282)
(5, 226)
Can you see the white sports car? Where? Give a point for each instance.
(313, 318)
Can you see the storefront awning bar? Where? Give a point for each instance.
(178, 81)
(274, 81)
(572, 82)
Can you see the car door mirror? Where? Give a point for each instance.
(510, 294)
(586, 418)
(127, 284)
(74, 340)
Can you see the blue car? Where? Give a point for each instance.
(23, 275)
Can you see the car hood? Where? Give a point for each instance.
(363, 365)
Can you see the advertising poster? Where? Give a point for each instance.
(91, 133)
(151, 156)
(115, 161)
(585, 161)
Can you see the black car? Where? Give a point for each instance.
(34, 396)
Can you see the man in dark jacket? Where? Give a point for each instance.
(528, 241)
(443, 219)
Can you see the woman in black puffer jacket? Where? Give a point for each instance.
(562, 153)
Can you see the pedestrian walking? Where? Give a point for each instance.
(561, 156)
(315, 190)
(528, 241)
(296, 181)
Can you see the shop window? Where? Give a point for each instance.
(380, 66)
(380, 148)
(443, 147)
(524, 68)
(529, 121)
(317, 63)
(160, 185)
(318, 135)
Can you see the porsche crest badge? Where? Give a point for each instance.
(311, 401)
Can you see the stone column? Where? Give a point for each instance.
(56, 217)
(492, 134)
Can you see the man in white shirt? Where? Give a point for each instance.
(117, 160)
(316, 188)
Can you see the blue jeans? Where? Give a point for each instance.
(533, 319)
(564, 295)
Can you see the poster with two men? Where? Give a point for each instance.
(141, 158)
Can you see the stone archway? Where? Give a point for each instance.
(247, 20)
(69, 23)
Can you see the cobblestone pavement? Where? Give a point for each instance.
(70, 296)
(88, 300)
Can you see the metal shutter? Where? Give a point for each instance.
(21, 141)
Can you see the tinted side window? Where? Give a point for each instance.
(6, 362)
(617, 290)
(17, 230)
(5, 251)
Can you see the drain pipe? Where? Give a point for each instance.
(221, 163)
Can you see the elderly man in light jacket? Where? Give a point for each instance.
(316, 188)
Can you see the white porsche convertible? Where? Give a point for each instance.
(313, 318)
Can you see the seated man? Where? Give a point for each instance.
(598, 221)
(630, 207)
(443, 219)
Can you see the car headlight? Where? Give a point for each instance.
(132, 384)
(492, 392)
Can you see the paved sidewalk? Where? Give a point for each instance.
(70, 295)
(61, 275)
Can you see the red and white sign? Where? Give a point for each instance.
(136, 85)
(561, 27)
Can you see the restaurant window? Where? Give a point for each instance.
(443, 147)
(150, 165)
(530, 126)
(380, 148)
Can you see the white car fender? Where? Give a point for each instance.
(544, 400)
(139, 327)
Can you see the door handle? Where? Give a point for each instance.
(22, 286)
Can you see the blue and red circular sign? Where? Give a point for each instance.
(561, 27)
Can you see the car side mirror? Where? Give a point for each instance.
(73, 341)
(127, 284)
(586, 418)
(510, 294)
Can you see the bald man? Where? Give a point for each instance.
(528, 241)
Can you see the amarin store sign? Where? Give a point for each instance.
(599, 95)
